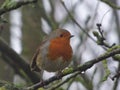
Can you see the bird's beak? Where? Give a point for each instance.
(71, 36)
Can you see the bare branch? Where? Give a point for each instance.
(72, 18)
(17, 60)
(116, 76)
(111, 4)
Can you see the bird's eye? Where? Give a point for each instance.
(61, 35)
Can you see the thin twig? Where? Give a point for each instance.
(72, 18)
(108, 2)
(101, 37)
(100, 31)
(116, 76)
(73, 76)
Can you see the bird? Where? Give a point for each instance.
(54, 53)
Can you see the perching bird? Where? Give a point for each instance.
(54, 53)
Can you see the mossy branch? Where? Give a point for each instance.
(9, 86)
(9, 5)
(80, 68)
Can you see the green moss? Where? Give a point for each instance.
(70, 69)
(113, 48)
(107, 71)
(8, 4)
(2, 88)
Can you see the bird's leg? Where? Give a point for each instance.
(58, 73)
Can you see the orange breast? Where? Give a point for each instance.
(60, 48)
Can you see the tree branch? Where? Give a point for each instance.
(62, 83)
(17, 60)
(111, 4)
(80, 68)
(15, 5)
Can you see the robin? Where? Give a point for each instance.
(54, 53)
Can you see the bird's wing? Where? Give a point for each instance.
(33, 64)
